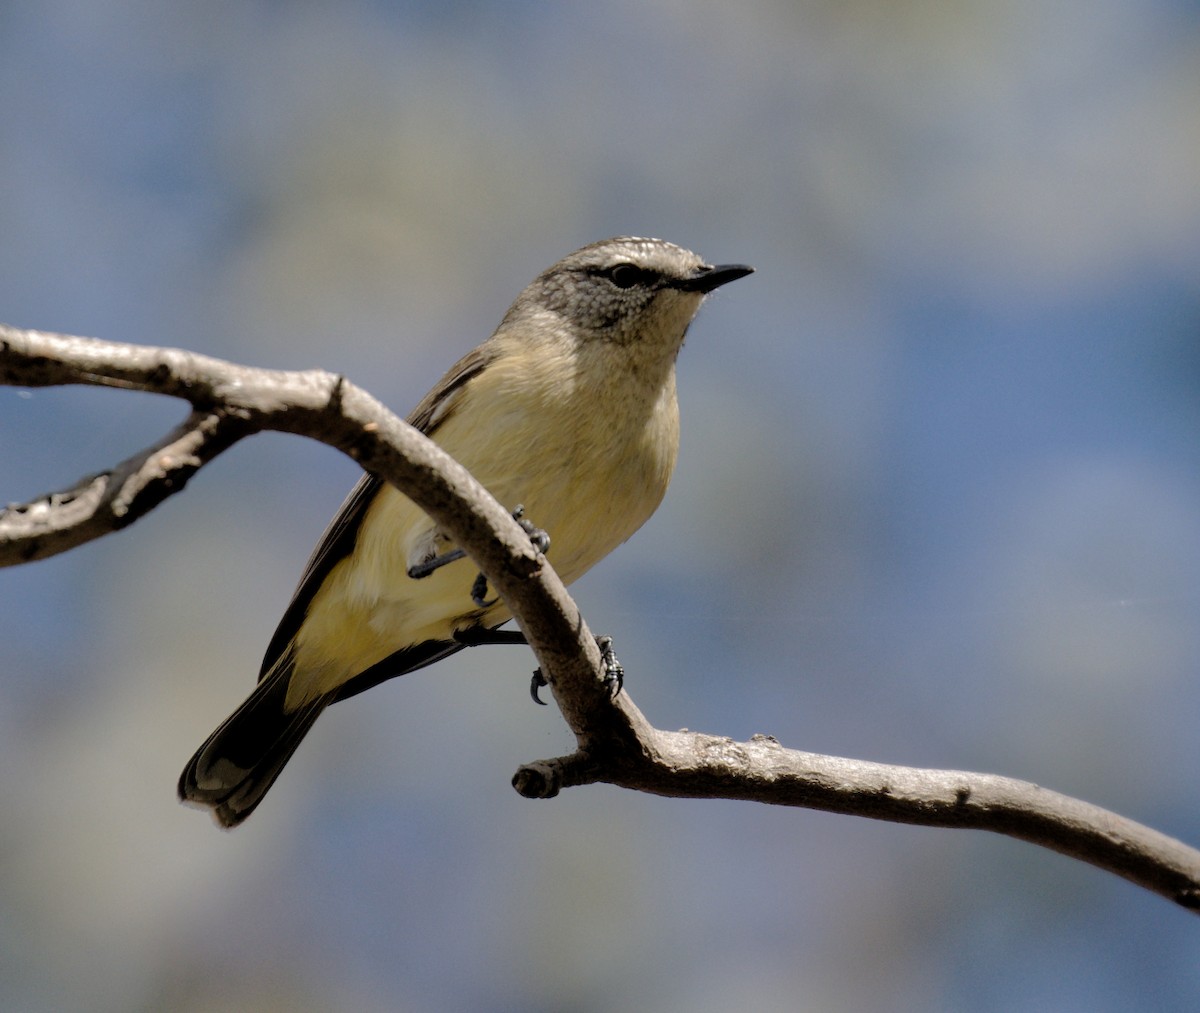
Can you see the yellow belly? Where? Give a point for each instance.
(588, 486)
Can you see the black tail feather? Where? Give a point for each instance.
(232, 771)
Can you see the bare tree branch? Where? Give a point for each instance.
(616, 744)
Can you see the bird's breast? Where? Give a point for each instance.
(588, 456)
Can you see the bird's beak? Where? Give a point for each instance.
(707, 278)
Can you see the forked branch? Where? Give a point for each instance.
(616, 744)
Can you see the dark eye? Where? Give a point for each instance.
(627, 275)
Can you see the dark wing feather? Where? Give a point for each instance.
(335, 545)
(340, 536)
(436, 406)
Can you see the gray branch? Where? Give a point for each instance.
(616, 744)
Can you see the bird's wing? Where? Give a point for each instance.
(342, 533)
(440, 403)
(335, 545)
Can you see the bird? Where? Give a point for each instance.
(569, 409)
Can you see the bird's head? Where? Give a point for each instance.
(629, 291)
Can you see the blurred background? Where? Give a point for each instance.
(938, 501)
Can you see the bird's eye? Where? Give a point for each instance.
(626, 275)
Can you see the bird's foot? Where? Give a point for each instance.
(614, 672)
(537, 536)
(425, 568)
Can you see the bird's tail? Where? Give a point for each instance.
(232, 771)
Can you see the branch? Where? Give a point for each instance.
(231, 402)
(616, 744)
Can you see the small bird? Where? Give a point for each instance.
(568, 410)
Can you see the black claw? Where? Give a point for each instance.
(614, 673)
(540, 539)
(479, 593)
(536, 683)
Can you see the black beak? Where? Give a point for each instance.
(707, 278)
